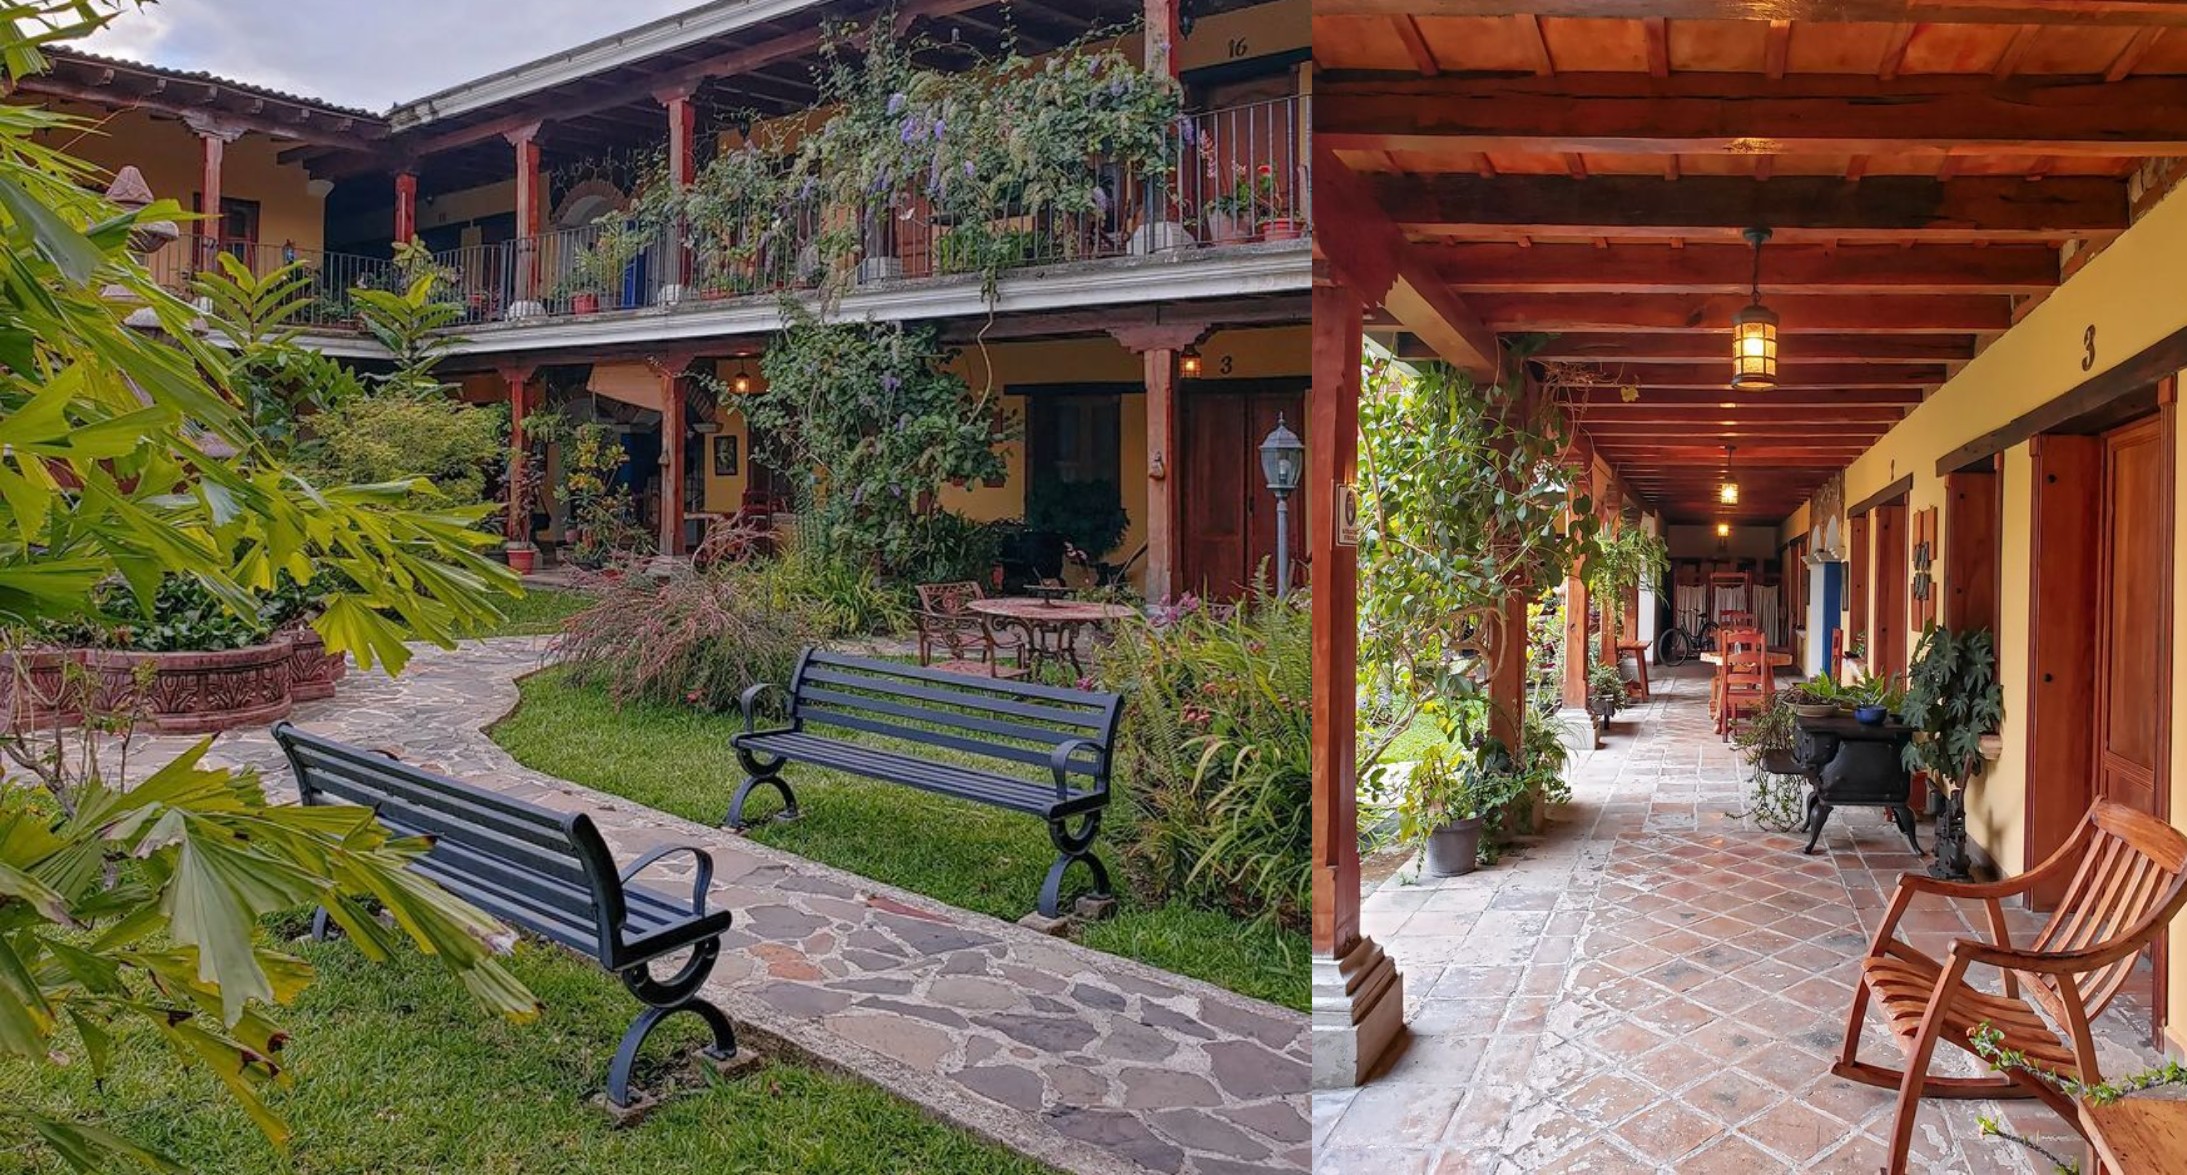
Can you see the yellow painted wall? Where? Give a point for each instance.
(2120, 293)
(172, 160)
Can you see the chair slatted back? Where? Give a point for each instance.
(2132, 878)
(1014, 726)
(1746, 662)
(548, 871)
(949, 599)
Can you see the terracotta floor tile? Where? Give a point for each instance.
(1667, 1131)
(1795, 1132)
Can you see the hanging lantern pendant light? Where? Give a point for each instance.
(1754, 332)
(1728, 493)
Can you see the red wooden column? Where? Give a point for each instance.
(530, 217)
(1161, 46)
(672, 375)
(517, 528)
(683, 165)
(1157, 346)
(1606, 508)
(406, 207)
(213, 137)
(1575, 633)
(1359, 1000)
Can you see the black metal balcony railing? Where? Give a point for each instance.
(1235, 176)
(332, 276)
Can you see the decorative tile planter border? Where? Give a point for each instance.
(198, 693)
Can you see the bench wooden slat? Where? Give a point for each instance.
(387, 771)
(1030, 756)
(1072, 707)
(367, 783)
(982, 724)
(994, 790)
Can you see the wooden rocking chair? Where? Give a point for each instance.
(2129, 875)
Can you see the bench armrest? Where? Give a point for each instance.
(703, 878)
(1060, 763)
(748, 703)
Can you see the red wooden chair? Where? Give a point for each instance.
(2129, 874)
(1746, 684)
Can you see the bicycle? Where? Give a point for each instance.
(1678, 646)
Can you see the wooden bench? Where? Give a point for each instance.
(544, 871)
(1037, 749)
(2129, 879)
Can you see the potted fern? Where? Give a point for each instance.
(1953, 701)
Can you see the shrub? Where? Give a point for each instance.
(698, 638)
(1088, 514)
(373, 439)
(1214, 757)
(187, 618)
(949, 547)
(837, 596)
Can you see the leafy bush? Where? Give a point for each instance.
(1088, 514)
(698, 638)
(373, 439)
(838, 597)
(1214, 757)
(949, 547)
(188, 618)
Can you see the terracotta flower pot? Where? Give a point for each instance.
(522, 557)
(584, 303)
(1225, 229)
(198, 693)
(1282, 228)
(313, 671)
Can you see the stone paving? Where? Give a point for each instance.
(1087, 1061)
(1661, 986)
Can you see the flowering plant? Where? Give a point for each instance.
(1251, 197)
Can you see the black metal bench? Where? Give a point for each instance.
(1034, 748)
(545, 871)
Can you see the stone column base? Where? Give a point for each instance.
(1359, 1008)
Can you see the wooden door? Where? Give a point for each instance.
(2066, 475)
(1228, 528)
(2133, 684)
(1887, 640)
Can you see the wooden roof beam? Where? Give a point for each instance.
(1805, 348)
(1740, 114)
(1951, 314)
(1703, 376)
(1362, 247)
(1802, 209)
(2047, 12)
(1727, 269)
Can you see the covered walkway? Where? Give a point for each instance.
(1660, 985)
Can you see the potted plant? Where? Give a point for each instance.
(1605, 692)
(1952, 700)
(1230, 214)
(195, 666)
(600, 265)
(1445, 805)
(1816, 697)
(1277, 223)
(1620, 564)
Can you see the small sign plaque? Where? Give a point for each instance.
(1347, 515)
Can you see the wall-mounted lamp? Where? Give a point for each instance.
(1188, 363)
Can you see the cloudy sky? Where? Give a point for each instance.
(369, 53)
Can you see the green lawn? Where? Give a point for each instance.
(978, 858)
(538, 612)
(399, 1070)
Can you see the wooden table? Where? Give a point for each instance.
(1051, 627)
(2138, 1136)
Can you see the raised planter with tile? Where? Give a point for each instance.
(35, 688)
(198, 693)
(313, 672)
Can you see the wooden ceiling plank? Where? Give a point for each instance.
(1423, 57)
(1777, 49)
(1704, 375)
(2008, 62)
(1530, 31)
(2129, 58)
(1659, 46)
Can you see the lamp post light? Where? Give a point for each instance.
(1282, 464)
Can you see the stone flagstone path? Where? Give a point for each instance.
(1661, 986)
(1093, 1063)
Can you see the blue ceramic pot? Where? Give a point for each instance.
(1870, 715)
